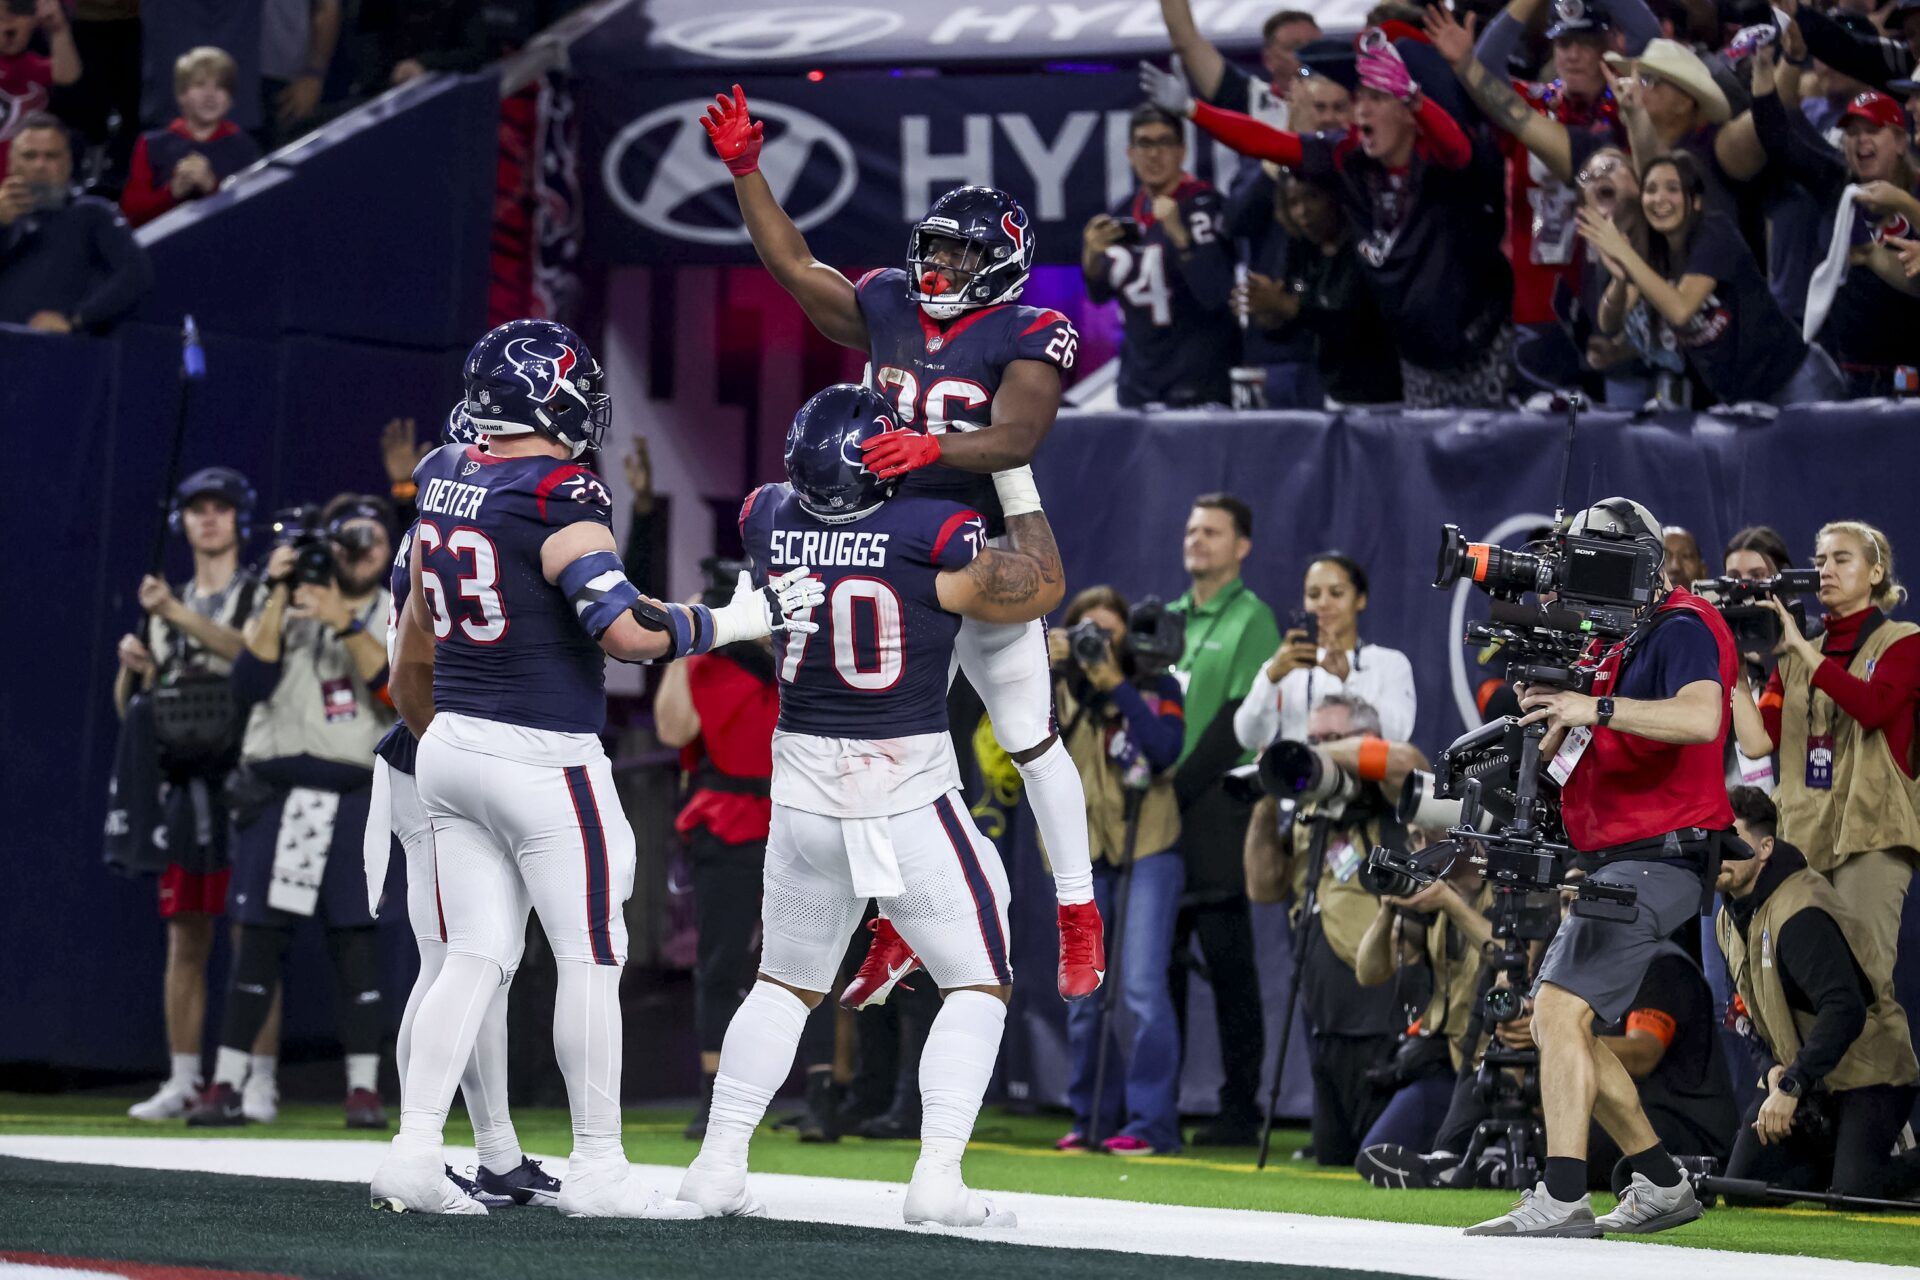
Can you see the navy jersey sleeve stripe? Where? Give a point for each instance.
(954, 523)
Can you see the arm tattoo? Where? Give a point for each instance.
(1495, 96)
(1013, 578)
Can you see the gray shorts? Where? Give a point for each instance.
(1604, 961)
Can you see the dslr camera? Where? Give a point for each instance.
(302, 529)
(1155, 638)
(1755, 627)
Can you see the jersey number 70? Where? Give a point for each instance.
(854, 604)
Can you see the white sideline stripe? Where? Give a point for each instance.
(1061, 1222)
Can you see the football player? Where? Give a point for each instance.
(866, 799)
(518, 598)
(505, 1175)
(974, 381)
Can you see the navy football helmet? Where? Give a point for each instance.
(218, 482)
(537, 376)
(996, 252)
(823, 453)
(459, 428)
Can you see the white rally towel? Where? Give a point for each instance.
(300, 854)
(1832, 271)
(871, 859)
(377, 845)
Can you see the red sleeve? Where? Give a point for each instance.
(1248, 136)
(143, 200)
(1771, 701)
(1441, 139)
(1885, 695)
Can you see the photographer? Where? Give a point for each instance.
(1333, 775)
(1125, 724)
(1640, 766)
(1842, 716)
(1821, 1004)
(1755, 554)
(1436, 936)
(1322, 654)
(181, 739)
(718, 709)
(315, 667)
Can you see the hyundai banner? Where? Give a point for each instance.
(856, 159)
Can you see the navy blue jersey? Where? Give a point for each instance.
(942, 377)
(877, 668)
(508, 645)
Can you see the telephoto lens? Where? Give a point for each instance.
(1302, 772)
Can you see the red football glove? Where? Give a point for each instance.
(894, 453)
(735, 134)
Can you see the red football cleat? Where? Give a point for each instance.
(1083, 951)
(889, 959)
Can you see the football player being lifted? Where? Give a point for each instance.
(973, 379)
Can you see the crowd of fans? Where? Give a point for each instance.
(1667, 203)
(87, 154)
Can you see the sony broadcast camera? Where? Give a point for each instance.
(1755, 627)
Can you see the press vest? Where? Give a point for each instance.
(1872, 805)
(321, 707)
(1456, 966)
(1107, 794)
(1883, 1053)
(1627, 788)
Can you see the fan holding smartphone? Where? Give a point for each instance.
(1321, 653)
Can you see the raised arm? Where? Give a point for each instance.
(1205, 67)
(1244, 134)
(828, 298)
(1494, 94)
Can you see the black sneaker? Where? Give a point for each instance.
(218, 1108)
(896, 1122)
(821, 1123)
(525, 1184)
(1396, 1168)
(1227, 1131)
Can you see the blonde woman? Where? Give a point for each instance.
(1842, 716)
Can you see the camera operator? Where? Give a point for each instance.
(718, 709)
(1755, 554)
(1640, 763)
(1820, 1001)
(315, 667)
(1354, 1028)
(1321, 654)
(1842, 716)
(180, 741)
(1435, 935)
(1125, 720)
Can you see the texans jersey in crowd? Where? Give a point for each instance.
(399, 745)
(509, 646)
(877, 668)
(1180, 338)
(942, 377)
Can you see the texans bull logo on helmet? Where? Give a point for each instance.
(543, 372)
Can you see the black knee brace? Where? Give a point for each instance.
(356, 988)
(257, 964)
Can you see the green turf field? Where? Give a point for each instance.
(1015, 1153)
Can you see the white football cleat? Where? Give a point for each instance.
(939, 1196)
(415, 1184)
(260, 1099)
(720, 1193)
(613, 1190)
(171, 1101)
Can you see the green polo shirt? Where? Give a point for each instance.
(1227, 640)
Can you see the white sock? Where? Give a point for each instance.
(586, 1040)
(484, 1086)
(186, 1070)
(1060, 811)
(262, 1066)
(230, 1067)
(755, 1058)
(444, 1028)
(363, 1071)
(955, 1068)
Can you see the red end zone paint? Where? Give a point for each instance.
(134, 1270)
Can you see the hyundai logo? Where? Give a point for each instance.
(685, 192)
(767, 34)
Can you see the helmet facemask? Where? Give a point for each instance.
(944, 289)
